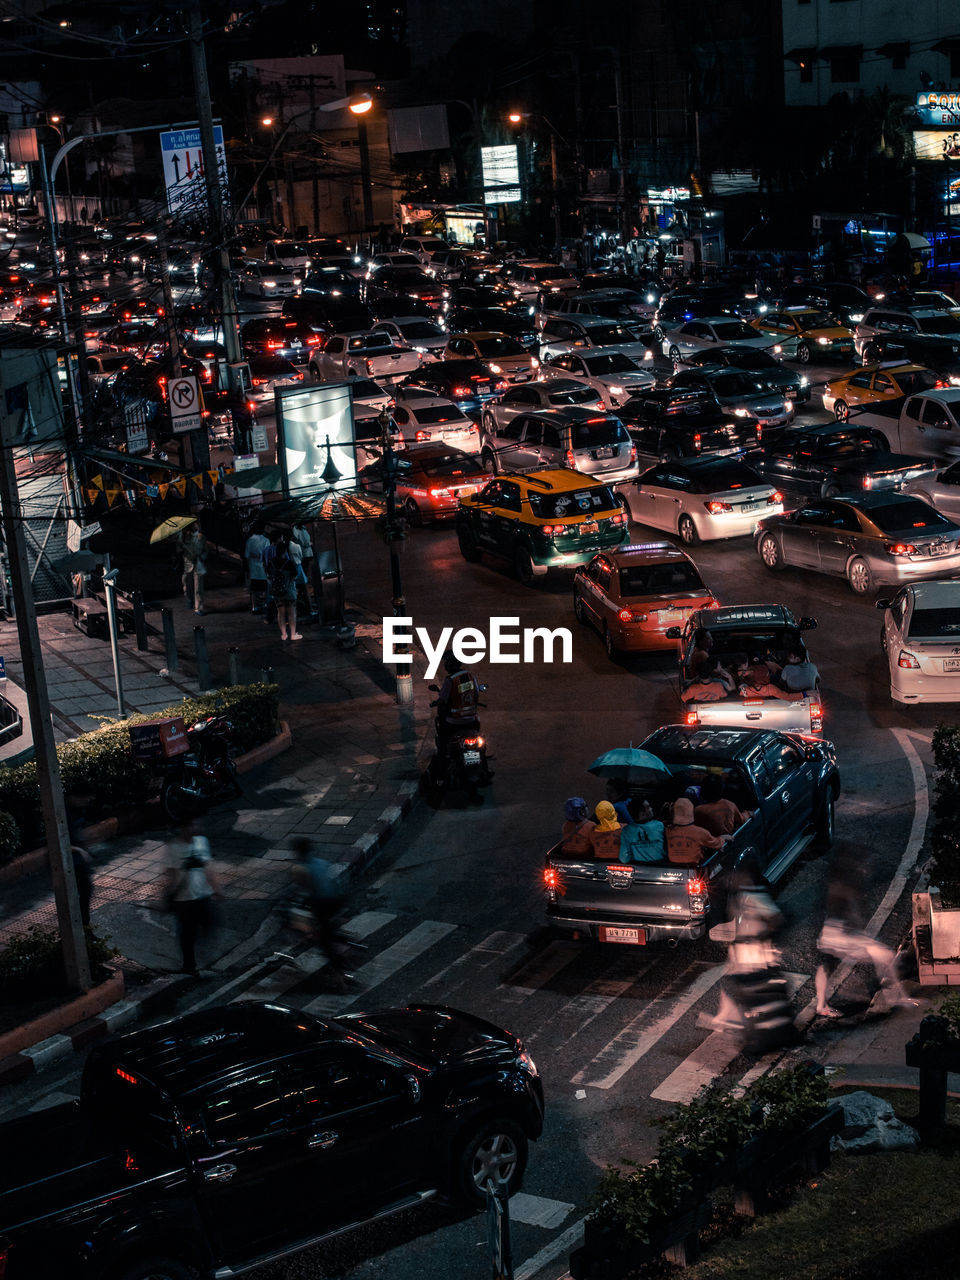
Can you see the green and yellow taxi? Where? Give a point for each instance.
(804, 334)
(541, 520)
(875, 383)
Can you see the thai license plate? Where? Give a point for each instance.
(483, 387)
(938, 548)
(589, 526)
(670, 615)
(791, 393)
(635, 937)
(605, 453)
(750, 506)
(951, 664)
(471, 757)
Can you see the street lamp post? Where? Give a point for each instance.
(390, 468)
(110, 595)
(517, 117)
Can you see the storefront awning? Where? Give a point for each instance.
(915, 241)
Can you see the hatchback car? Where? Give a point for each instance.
(503, 355)
(634, 593)
(703, 499)
(739, 393)
(551, 393)
(432, 481)
(547, 520)
(877, 384)
(802, 332)
(267, 279)
(422, 415)
(616, 376)
(759, 364)
(920, 636)
(595, 444)
(712, 332)
(868, 538)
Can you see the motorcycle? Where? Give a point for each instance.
(459, 763)
(203, 774)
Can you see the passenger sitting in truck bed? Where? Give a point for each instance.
(605, 836)
(711, 685)
(618, 793)
(757, 684)
(703, 650)
(687, 843)
(575, 833)
(799, 674)
(720, 816)
(763, 669)
(642, 839)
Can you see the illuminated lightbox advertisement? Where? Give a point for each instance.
(316, 444)
(936, 144)
(501, 174)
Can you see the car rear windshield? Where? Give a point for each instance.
(736, 383)
(609, 335)
(576, 502)
(945, 323)
(816, 320)
(916, 380)
(752, 358)
(851, 444)
(551, 273)
(610, 362)
(421, 329)
(371, 340)
(451, 464)
(721, 479)
(907, 517)
(595, 435)
(650, 579)
(432, 414)
(290, 250)
(499, 346)
(575, 395)
(728, 330)
(935, 624)
(366, 389)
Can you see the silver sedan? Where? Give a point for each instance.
(941, 490)
(702, 499)
(739, 392)
(868, 538)
(551, 393)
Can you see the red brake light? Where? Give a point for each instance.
(313, 339)
(258, 382)
(691, 718)
(125, 1075)
(625, 615)
(423, 435)
(551, 878)
(461, 391)
(552, 530)
(473, 742)
(438, 492)
(908, 661)
(696, 887)
(715, 508)
(696, 441)
(776, 496)
(900, 548)
(571, 459)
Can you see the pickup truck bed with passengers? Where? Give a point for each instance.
(789, 783)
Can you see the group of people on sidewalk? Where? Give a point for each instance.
(280, 575)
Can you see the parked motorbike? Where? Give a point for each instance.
(204, 773)
(459, 764)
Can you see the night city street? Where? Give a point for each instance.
(479, 640)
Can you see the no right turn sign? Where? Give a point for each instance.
(183, 396)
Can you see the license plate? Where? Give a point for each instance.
(471, 757)
(636, 937)
(483, 386)
(938, 548)
(951, 664)
(750, 506)
(670, 615)
(589, 526)
(791, 394)
(604, 453)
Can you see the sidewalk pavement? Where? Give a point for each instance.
(351, 774)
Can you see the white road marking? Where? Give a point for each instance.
(480, 957)
(538, 1211)
(636, 1039)
(535, 975)
(385, 965)
(569, 1239)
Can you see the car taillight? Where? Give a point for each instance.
(298, 374)
(868, 482)
(371, 365)
(571, 459)
(753, 702)
(473, 742)
(437, 493)
(633, 454)
(717, 508)
(816, 716)
(552, 880)
(273, 345)
(460, 391)
(697, 441)
(697, 894)
(619, 518)
(900, 548)
(908, 661)
(423, 435)
(628, 615)
(776, 496)
(258, 382)
(313, 340)
(691, 717)
(552, 530)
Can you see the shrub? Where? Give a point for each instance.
(99, 764)
(945, 835)
(31, 963)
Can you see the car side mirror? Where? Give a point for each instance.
(673, 633)
(883, 604)
(808, 624)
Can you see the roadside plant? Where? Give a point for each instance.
(789, 1099)
(636, 1200)
(31, 963)
(710, 1128)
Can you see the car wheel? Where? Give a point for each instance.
(658, 333)
(468, 544)
(883, 640)
(859, 576)
(770, 553)
(495, 1153)
(523, 566)
(579, 610)
(803, 353)
(688, 531)
(673, 353)
(489, 462)
(608, 644)
(830, 491)
(842, 410)
(412, 513)
(825, 823)
(156, 1268)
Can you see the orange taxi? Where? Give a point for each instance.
(875, 383)
(633, 593)
(805, 334)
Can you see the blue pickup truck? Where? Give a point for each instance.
(788, 782)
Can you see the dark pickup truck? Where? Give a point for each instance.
(831, 459)
(669, 423)
(227, 1138)
(789, 782)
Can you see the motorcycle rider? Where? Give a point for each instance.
(457, 705)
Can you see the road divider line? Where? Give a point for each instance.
(550, 1252)
(535, 975)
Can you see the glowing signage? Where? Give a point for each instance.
(501, 174)
(316, 443)
(939, 108)
(937, 144)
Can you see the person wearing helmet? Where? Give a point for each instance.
(458, 700)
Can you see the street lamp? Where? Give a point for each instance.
(518, 117)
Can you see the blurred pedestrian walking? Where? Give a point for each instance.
(191, 888)
(315, 880)
(256, 545)
(193, 547)
(283, 588)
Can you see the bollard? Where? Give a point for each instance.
(266, 675)
(234, 660)
(140, 621)
(404, 688)
(169, 640)
(203, 660)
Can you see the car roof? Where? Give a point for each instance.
(645, 553)
(945, 395)
(557, 480)
(697, 466)
(825, 429)
(437, 449)
(402, 320)
(868, 501)
(474, 334)
(562, 415)
(891, 366)
(713, 319)
(708, 741)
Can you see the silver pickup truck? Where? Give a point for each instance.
(739, 633)
(791, 785)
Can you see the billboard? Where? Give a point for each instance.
(937, 144)
(314, 429)
(939, 109)
(501, 174)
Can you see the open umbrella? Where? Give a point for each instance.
(631, 764)
(170, 526)
(76, 561)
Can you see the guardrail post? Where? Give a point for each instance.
(234, 660)
(140, 621)
(203, 660)
(169, 640)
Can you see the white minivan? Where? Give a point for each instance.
(423, 246)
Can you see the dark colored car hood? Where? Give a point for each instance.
(436, 1034)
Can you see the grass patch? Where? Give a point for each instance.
(887, 1216)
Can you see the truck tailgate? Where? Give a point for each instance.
(640, 893)
(761, 713)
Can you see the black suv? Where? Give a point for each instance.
(278, 336)
(832, 459)
(237, 1135)
(668, 423)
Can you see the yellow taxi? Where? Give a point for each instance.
(875, 383)
(541, 520)
(801, 333)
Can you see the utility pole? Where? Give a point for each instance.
(76, 962)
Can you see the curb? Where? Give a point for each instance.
(31, 1058)
(364, 850)
(34, 860)
(48, 1025)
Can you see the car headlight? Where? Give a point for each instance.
(269, 284)
(804, 380)
(857, 318)
(762, 308)
(617, 391)
(651, 297)
(786, 403)
(534, 362)
(823, 342)
(742, 413)
(495, 368)
(778, 350)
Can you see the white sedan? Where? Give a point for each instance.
(419, 332)
(920, 636)
(422, 415)
(616, 376)
(265, 280)
(702, 499)
(714, 331)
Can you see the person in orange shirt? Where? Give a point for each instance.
(711, 685)
(688, 843)
(720, 816)
(605, 836)
(575, 833)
